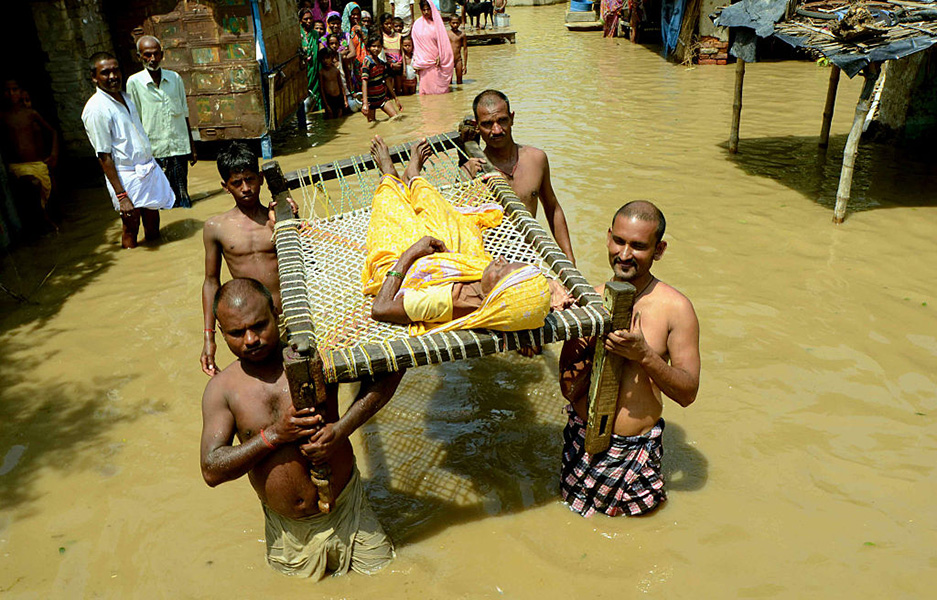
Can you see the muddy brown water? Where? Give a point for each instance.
(805, 468)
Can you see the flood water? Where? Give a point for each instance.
(805, 468)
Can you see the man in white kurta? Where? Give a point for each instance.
(137, 186)
(159, 96)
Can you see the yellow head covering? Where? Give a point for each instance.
(521, 300)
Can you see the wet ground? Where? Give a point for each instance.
(805, 468)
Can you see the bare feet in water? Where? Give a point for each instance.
(419, 153)
(381, 155)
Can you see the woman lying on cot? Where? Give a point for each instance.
(427, 264)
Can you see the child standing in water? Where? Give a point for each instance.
(459, 47)
(374, 90)
(331, 83)
(392, 52)
(409, 73)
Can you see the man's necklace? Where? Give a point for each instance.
(647, 285)
(517, 159)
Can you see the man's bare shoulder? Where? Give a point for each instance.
(222, 383)
(669, 296)
(532, 154)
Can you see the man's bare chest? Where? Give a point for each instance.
(527, 189)
(258, 405)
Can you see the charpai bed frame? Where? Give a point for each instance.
(331, 335)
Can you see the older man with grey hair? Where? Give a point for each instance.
(159, 95)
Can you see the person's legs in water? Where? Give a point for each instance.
(150, 224)
(131, 228)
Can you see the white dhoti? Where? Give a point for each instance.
(146, 185)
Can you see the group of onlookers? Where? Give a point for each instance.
(356, 64)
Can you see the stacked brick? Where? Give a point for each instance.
(713, 51)
(70, 31)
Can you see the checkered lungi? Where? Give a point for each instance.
(625, 479)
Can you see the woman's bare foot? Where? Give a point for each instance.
(419, 153)
(381, 155)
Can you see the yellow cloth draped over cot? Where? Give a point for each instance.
(400, 216)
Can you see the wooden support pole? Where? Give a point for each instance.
(852, 142)
(301, 360)
(737, 106)
(307, 388)
(606, 371)
(828, 109)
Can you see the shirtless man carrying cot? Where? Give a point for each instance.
(661, 352)
(250, 399)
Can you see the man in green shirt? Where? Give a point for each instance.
(159, 95)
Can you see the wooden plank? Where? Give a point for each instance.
(431, 349)
(606, 371)
(362, 162)
(291, 272)
(487, 35)
(870, 73)
(307, 389)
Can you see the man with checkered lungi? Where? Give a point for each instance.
(661, 349)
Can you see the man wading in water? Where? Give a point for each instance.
(662, 355)
(251, 399)
(525, 167)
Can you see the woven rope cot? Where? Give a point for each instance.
(321, 256)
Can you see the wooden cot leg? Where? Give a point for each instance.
(307, 388)
(606, 371)
(852, 142)
(737, 107)
(828, 109)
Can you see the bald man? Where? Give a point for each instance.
(661, 352)
(250, 399)
(159, 95)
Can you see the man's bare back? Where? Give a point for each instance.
(23, 136)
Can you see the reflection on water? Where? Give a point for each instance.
(805, 467)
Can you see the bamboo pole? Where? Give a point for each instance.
(852, 142)
(828, 109)
(737, 106)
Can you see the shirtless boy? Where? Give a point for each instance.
(24, 134)
(661, 352)
(526, 168)
(459, 47)
(278, 445)
(242, 236)
(330, 82)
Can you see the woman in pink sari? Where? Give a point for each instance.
(432, 52)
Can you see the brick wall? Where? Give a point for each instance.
(70, 31)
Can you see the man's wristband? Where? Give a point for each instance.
(396, 274)
(266, 441)
(122, 195)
